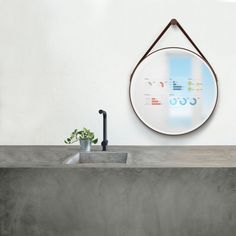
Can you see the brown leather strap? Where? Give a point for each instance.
(175, 23)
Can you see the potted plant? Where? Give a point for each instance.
(85, 136)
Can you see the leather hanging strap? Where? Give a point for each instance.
(173, 22)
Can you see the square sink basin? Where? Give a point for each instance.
(98, 157)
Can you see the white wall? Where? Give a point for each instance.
(62, 60)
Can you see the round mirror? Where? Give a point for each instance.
(173, 91)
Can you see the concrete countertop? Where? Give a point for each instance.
(138, 156)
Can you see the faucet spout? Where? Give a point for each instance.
(104, 143)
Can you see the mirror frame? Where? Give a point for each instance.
(216, 81)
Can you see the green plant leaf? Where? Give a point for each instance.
(81, 134)
(95, 141)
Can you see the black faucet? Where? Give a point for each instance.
(104, 143)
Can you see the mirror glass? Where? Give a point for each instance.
(173, 91)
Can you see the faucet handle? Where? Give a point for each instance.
(104, 142)
(102, 112)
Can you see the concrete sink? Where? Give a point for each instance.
(98, 157)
